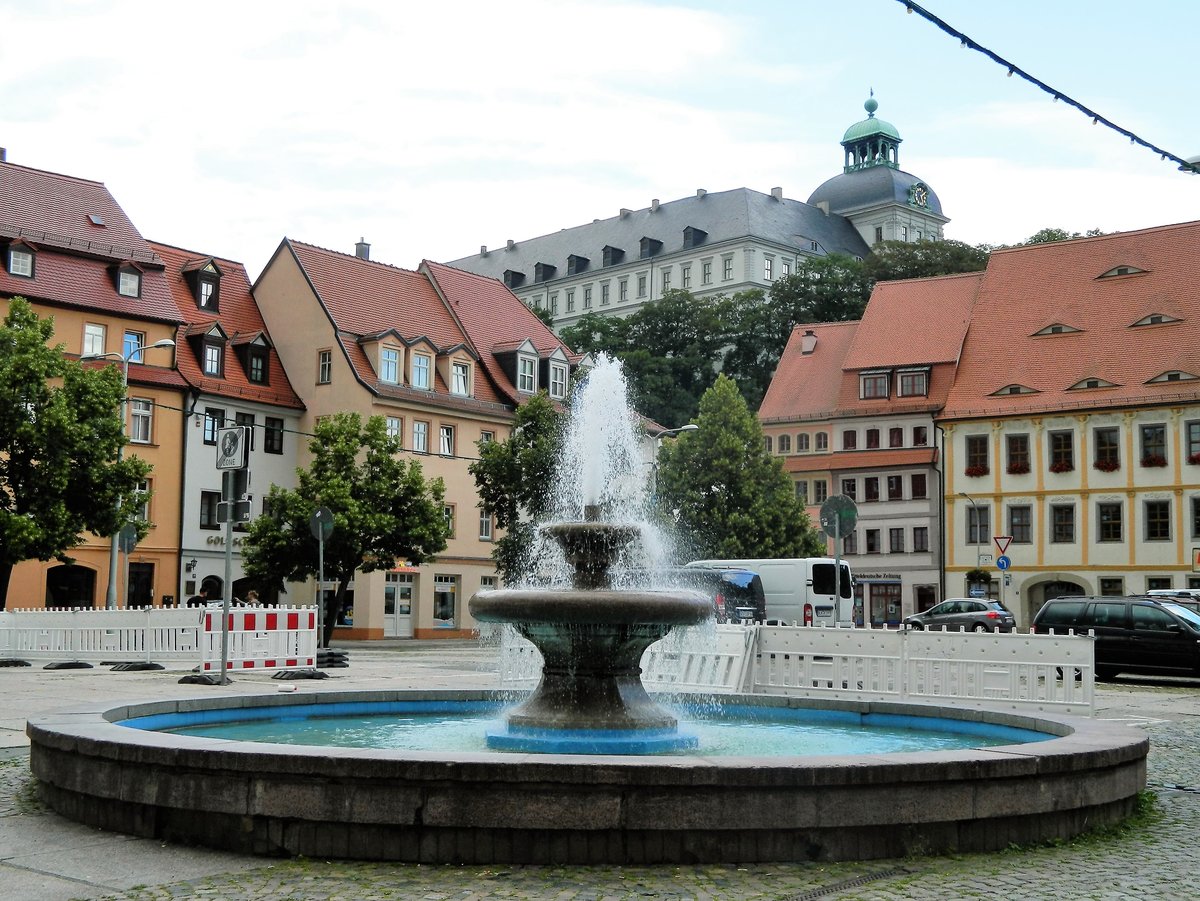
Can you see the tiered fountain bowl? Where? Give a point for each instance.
(590, 698)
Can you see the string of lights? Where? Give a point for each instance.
(1184, 165)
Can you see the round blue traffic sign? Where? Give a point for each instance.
(1003, 562)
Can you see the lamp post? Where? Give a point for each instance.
(978, 531)
(657, 436)
(110, 598)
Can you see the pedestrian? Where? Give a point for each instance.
(199, 600)
(251, 597)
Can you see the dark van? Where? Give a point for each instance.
(737, 594)
(1133, 635)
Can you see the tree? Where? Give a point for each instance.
(1051, 235)
(60, 428)
(891, 260)
(383, 511)
(514, 480)
(721, 487)
(594, 333)
(544, 314)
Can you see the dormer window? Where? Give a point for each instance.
(1095, 382)
(543, 272)
(1155, 319)
(914, 383)
(558, 380)
(612, 255)
(214, 358)
(389, 365)
(20, 261)
(1056, 328)
(1013, 389)
(873, 385)
(204, 278)
(577, 264)
(649, 247)
(421, 371)
(1172, 375)
(513, 279)
(693, 237)
(257, 373)
(527, 374)
(460, 379)
(1122, 270)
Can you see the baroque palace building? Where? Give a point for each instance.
(720, 242)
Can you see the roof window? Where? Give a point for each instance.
(96, 220)
(1172, 375)
(577, 264)
(1155, 319)
(649, 247)
(1121, 270)
(1093, 382)
(693, 237)
(513, 279)
(1014, 389)
(543, 272)
(20, 260)
(1055, 329)
(612, 255)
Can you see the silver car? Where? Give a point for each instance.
(964, 615)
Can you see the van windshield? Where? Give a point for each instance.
(1184, 613)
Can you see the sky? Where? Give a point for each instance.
(431, 129)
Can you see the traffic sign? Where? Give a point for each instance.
(321, 523)
(1002, 542)
(127, 538)
(233, 447)
(978, 591)
(838, 516)
(1003, 562)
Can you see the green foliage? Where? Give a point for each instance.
(60, 430)
(543, 314)
(514, 479)
(891, 260)
(720, 486)
(1051, 235)
(595, 333)
(383, 509)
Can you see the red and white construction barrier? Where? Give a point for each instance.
(261, 638)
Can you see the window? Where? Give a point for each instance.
(420, 442)
(820, 491)
(389, 365)
(914, 384)
(448, 517)
(850, 543)
(978, 528)
(802, 443)
(141, 419)
(273, 435)
(849, 439)
(208, 509)
(132, 346)
(93, 339)
(258, 365)
(324, 367)
(213, 419)
(768, 268)
(822, 440)
(554, 304)
(1108, 449)
(787, 267)
(1158, 520)
(1158, 583)
(977, 455)
(641, 286)
(446, 441)
(666, 280)
(485, 437)
(421, 366)
(850, 488)
(878, 233)
(527, 375)
(445, 597)
(873, 438)
(802, 492)
(395, 427)
(460, 379)
(129, 283)
(1020, 522)
(1196, 516)
(871, 488)
(920, 436)
(20, 262)
(767, 444)
(896, 541)
(1154, 445)
(1109, 516)
(246, 420)
(917, 480)
(1018, 454)
(570, 301)
(895, 488)
(1062, 451)
(785, 444)
(1062, 523)
(587, 298)
(142, 493)
(872, 536)
(685, 277)
(920, 539)
(896, 437)
(558, 380)
(1112, 588)
(1193, 442)
(623, 290)
(206, 292)
(727, 273)
(485, 526)
(213, 358)
(604, 294)
(873, 384)
(706, 272)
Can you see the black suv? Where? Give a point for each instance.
(1133, 635)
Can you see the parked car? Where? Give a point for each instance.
(1184, 597)
(737, 594)
(1133, 634)
(964, 615)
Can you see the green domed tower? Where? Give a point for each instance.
(871, 142)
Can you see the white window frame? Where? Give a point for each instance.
(395, 427)
(527, 375)
(460, 379)
(141, 420)
(95, 336)
(20, 262)
(422, 369)
(132, 349)
(389, 365)
(768, 269)
(324, 367)
(706, 272)
(446, 440)
(727, 268)
(212, 358)
(129, 283)
(420, 436)
(485, 526)
(558, 380)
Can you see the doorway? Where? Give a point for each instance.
(70, 585)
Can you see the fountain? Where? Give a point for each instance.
(598, 790)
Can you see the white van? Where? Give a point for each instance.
(800, 590)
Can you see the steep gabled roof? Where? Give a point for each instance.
(1026, 289)
(238, 317)
(79, 233)
(807, 386)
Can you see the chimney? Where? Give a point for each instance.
(483, 250)
(808, 341)
(625, 212)
(700, 192)
(3, 155)
(362, 249)
(777, 193)
(510, 245)
(654, 205)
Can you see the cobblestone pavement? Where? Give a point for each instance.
(1152, 857)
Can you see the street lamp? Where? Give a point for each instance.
(690, 427)
(110, 598)
(978, 531)
(657, 436)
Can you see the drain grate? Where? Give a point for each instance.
(824, 891)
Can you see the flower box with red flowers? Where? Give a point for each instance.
(1107, 465)
(1018, 469)
(1194, 459)
(976, 471)
(1152, 460)
(1062, 466)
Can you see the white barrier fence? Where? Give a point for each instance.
(1005, 670)
(259, 638)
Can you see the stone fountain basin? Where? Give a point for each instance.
(493, 807)
(568, 606)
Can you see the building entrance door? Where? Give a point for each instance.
(397, 605)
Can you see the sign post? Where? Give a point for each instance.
(838, 516)
(1003, 562)
(233, 462)
(321, 526)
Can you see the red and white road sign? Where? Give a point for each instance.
(1002, 542)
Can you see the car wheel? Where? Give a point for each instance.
(1106, 673)
(979, 627)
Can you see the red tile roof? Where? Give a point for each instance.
(808, 385)
(74, 255)
(864, 459)
(1028, 289)
(238, 315)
